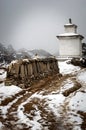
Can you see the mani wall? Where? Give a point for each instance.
(22, 72)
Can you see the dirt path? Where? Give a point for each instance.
(48, 119)
(15, 101)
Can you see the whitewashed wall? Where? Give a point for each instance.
(70, 29)
(70, 46)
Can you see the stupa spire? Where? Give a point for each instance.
(70, 20)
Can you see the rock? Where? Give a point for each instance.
(21, 86)
(22, 71)
(79, 62)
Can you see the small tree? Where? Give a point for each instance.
(84, 49)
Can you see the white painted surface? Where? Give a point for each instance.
(70, 42)
(68, 34)
(70, 46)
(71, 29)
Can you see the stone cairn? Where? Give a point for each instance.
(23, 72)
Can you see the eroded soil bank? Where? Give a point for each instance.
(52, 103)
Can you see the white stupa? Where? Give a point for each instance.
(70, 43)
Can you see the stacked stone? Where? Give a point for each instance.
(33, 68)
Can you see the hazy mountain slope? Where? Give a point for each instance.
(40, 52)
(6, 54)
(52, 103)
(22, 53)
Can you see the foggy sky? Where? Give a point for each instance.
(34, 24)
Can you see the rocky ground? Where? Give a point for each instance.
(51, 103)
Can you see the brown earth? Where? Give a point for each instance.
(48, 119)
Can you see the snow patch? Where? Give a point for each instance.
(23, 118)
(66, 85)
(4, 109)
(82, 76)
(2, 74)
(1, 125)
(14, 61)
(26, 60)
(54, 102)
(7, 91)
(67, 68)
(78, 101)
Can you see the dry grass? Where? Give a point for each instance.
(72, 89)
(83, 116)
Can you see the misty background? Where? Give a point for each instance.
(34, 24)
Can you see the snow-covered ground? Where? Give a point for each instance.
(7, 91)
(67, 68)
(2, 74)
(82, 76)
(63, 108)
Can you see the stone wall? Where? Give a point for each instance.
(24, 71)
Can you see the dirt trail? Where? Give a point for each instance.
(37, 86)
(46, 85)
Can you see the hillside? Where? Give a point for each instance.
(51, 103)
(32, 53)
(7, 53)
